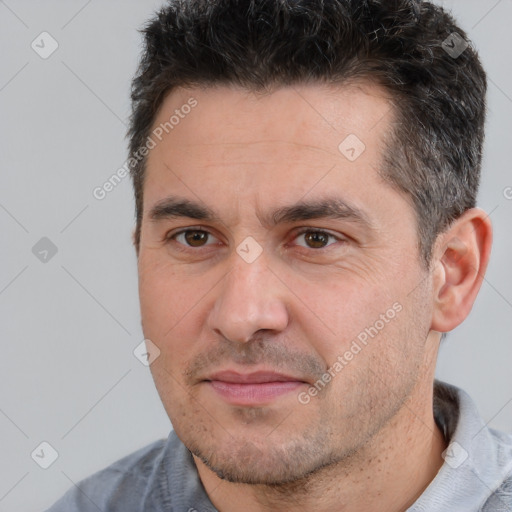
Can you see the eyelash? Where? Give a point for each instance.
(173, 236)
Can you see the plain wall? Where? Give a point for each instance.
(69, 325)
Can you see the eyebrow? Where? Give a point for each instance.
(173, 207)
(327, 208)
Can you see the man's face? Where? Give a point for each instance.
(254, 304)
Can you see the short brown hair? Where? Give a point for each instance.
(414, 49)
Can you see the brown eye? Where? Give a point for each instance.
(193, 237)
(196, 238)
(315, 239)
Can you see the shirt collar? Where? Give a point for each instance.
(477, 459)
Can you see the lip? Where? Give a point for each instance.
(260, 377)
(252, 389)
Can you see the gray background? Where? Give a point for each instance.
(69, 326)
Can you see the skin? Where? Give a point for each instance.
(367, 440)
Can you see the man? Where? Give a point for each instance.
(305, 177)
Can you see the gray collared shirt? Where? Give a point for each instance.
(475, 477)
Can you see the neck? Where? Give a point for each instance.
(386, 475)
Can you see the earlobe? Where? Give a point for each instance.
(462, 256)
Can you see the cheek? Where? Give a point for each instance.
(353, 317)
(346, 308)
(167, 299)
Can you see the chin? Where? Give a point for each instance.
(269, 465)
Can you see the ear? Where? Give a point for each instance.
(461, 257)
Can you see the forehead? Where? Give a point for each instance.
(317, 115)
(225, 138)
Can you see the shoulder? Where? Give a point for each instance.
(121, 486)
(501, 498)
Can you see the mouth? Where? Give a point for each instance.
(252, 389)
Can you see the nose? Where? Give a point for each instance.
(250, 298)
